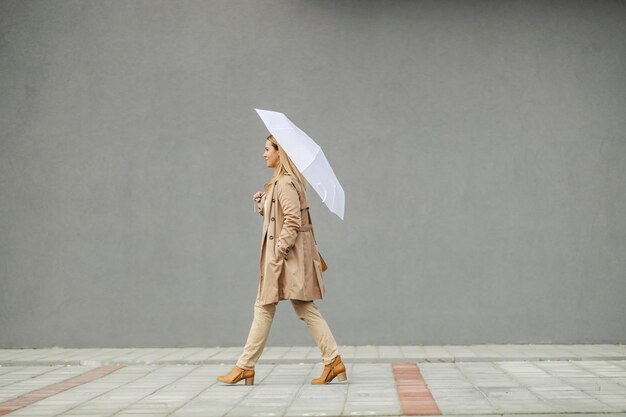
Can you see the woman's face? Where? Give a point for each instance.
(270, 155)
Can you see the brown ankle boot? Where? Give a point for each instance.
(236, 375)
(336, 368)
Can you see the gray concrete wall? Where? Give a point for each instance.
(481, 146)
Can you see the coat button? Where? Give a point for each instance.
(273, 200)
(286, 250)
(271, 237)
(272, 219)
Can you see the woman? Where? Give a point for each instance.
(290, 269)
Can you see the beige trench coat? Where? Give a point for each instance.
(290, 263)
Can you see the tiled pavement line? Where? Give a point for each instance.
(566, 392)
(23, 380)
(102, 400)
(415, 397)
(24, 400)
(549, 401)
(548, 394)
(19, 381)
(586, 398)
(473, 377)
(48, 406)
(532, 389)
(371, 390)
(522, 399)
(10, 371)
(128, 408)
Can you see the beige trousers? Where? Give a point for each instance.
(260, 329)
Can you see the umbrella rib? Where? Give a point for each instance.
(312, 159)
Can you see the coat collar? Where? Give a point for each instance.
(267, 185)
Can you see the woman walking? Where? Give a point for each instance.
(291, 269)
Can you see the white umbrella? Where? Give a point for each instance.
(308, 158)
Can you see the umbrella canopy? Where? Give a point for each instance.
(308, 158)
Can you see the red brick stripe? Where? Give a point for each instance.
(415, 397)
(9, 406)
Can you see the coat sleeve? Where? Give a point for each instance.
(290, 204)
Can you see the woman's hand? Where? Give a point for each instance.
(282, 249)
(257, 196)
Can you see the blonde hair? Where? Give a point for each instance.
(285, 165)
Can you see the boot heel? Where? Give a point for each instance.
(250, 381)
(342, 376)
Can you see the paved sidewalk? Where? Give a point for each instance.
(439, 380)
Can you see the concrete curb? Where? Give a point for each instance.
(96, 362)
